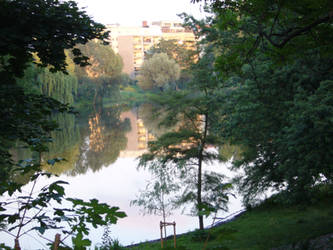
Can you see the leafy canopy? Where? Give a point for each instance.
(274, 64)
(44, 28)
(158, 72)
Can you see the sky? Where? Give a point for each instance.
(133, 12)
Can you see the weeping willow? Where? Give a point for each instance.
(62, 87)
(58, 86)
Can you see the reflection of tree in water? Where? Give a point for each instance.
(65, 144)
(104, 139)
(96, 142)
(84, 147)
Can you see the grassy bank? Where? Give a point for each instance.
(132, 96)
(264, 227)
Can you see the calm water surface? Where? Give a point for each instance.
(102, 151)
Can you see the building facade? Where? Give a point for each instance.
(131, 43)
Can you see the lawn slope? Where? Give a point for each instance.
(267, 226)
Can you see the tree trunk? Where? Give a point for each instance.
(200, 159)
(164, 216)
(56, 242)
(199, 200)
(17, 245)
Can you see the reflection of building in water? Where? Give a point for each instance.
(137, 138)
(96, 142)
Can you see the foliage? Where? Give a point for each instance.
(278, 26)
(126, 80)
(106, 238)
(58, 86)
(113, 244)
(25, 114)
(101, 77)
(274, 67)
(108, 242)
(156, 198)
(25, 120)
(103, 61)
(132, 96)
(183, 151)
(32, 211)
(87, 89)
(30, 81)
(294, 109)
(183, 55)
(158, 72)
(46, 28)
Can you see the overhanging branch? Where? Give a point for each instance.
(292, 33)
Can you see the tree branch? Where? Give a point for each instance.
(295, 32)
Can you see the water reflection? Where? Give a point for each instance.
(103, 138)
(101, 150)
(66, 144)
(138, 137)
(151, 117)
(93, 141)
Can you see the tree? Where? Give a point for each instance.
(158, 72)
(60, 86)
(44, 30)
(183, 152)
(282, 25)
(156, 198)
(183, 55)
(283, 124)
(275, 65)
(104, 62)
(102, 73)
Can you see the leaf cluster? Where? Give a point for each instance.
(158, 72)
(72, 221)
(45, 28)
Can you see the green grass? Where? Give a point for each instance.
(264, 227)
(130, 96)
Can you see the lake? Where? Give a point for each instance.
(101, 149)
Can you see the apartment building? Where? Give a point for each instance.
(131, 43)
